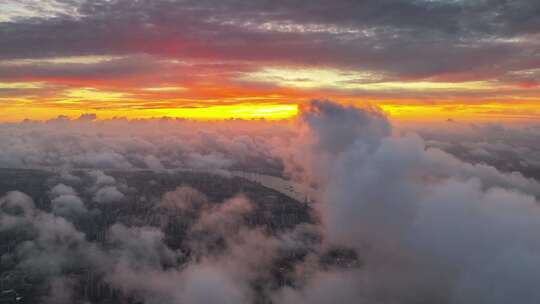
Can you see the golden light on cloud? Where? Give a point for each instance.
(350, 80)
(165, 89)
(21, 85)
(91, 94)
(305, 78)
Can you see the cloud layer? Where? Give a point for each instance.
(393, 218)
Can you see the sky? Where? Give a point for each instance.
(419, 60)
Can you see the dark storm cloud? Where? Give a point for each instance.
(407, 38)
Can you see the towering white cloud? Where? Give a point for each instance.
(406, 209)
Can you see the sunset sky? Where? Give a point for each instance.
(473, 60)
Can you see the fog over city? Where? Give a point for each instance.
(177, 211)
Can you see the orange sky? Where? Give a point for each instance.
(205, 61)
(218, 99)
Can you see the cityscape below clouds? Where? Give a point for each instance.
(269, 152)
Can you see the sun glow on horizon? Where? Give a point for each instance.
(240, 111)
(260, 92)
(277, 111)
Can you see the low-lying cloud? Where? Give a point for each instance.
(394, 219)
